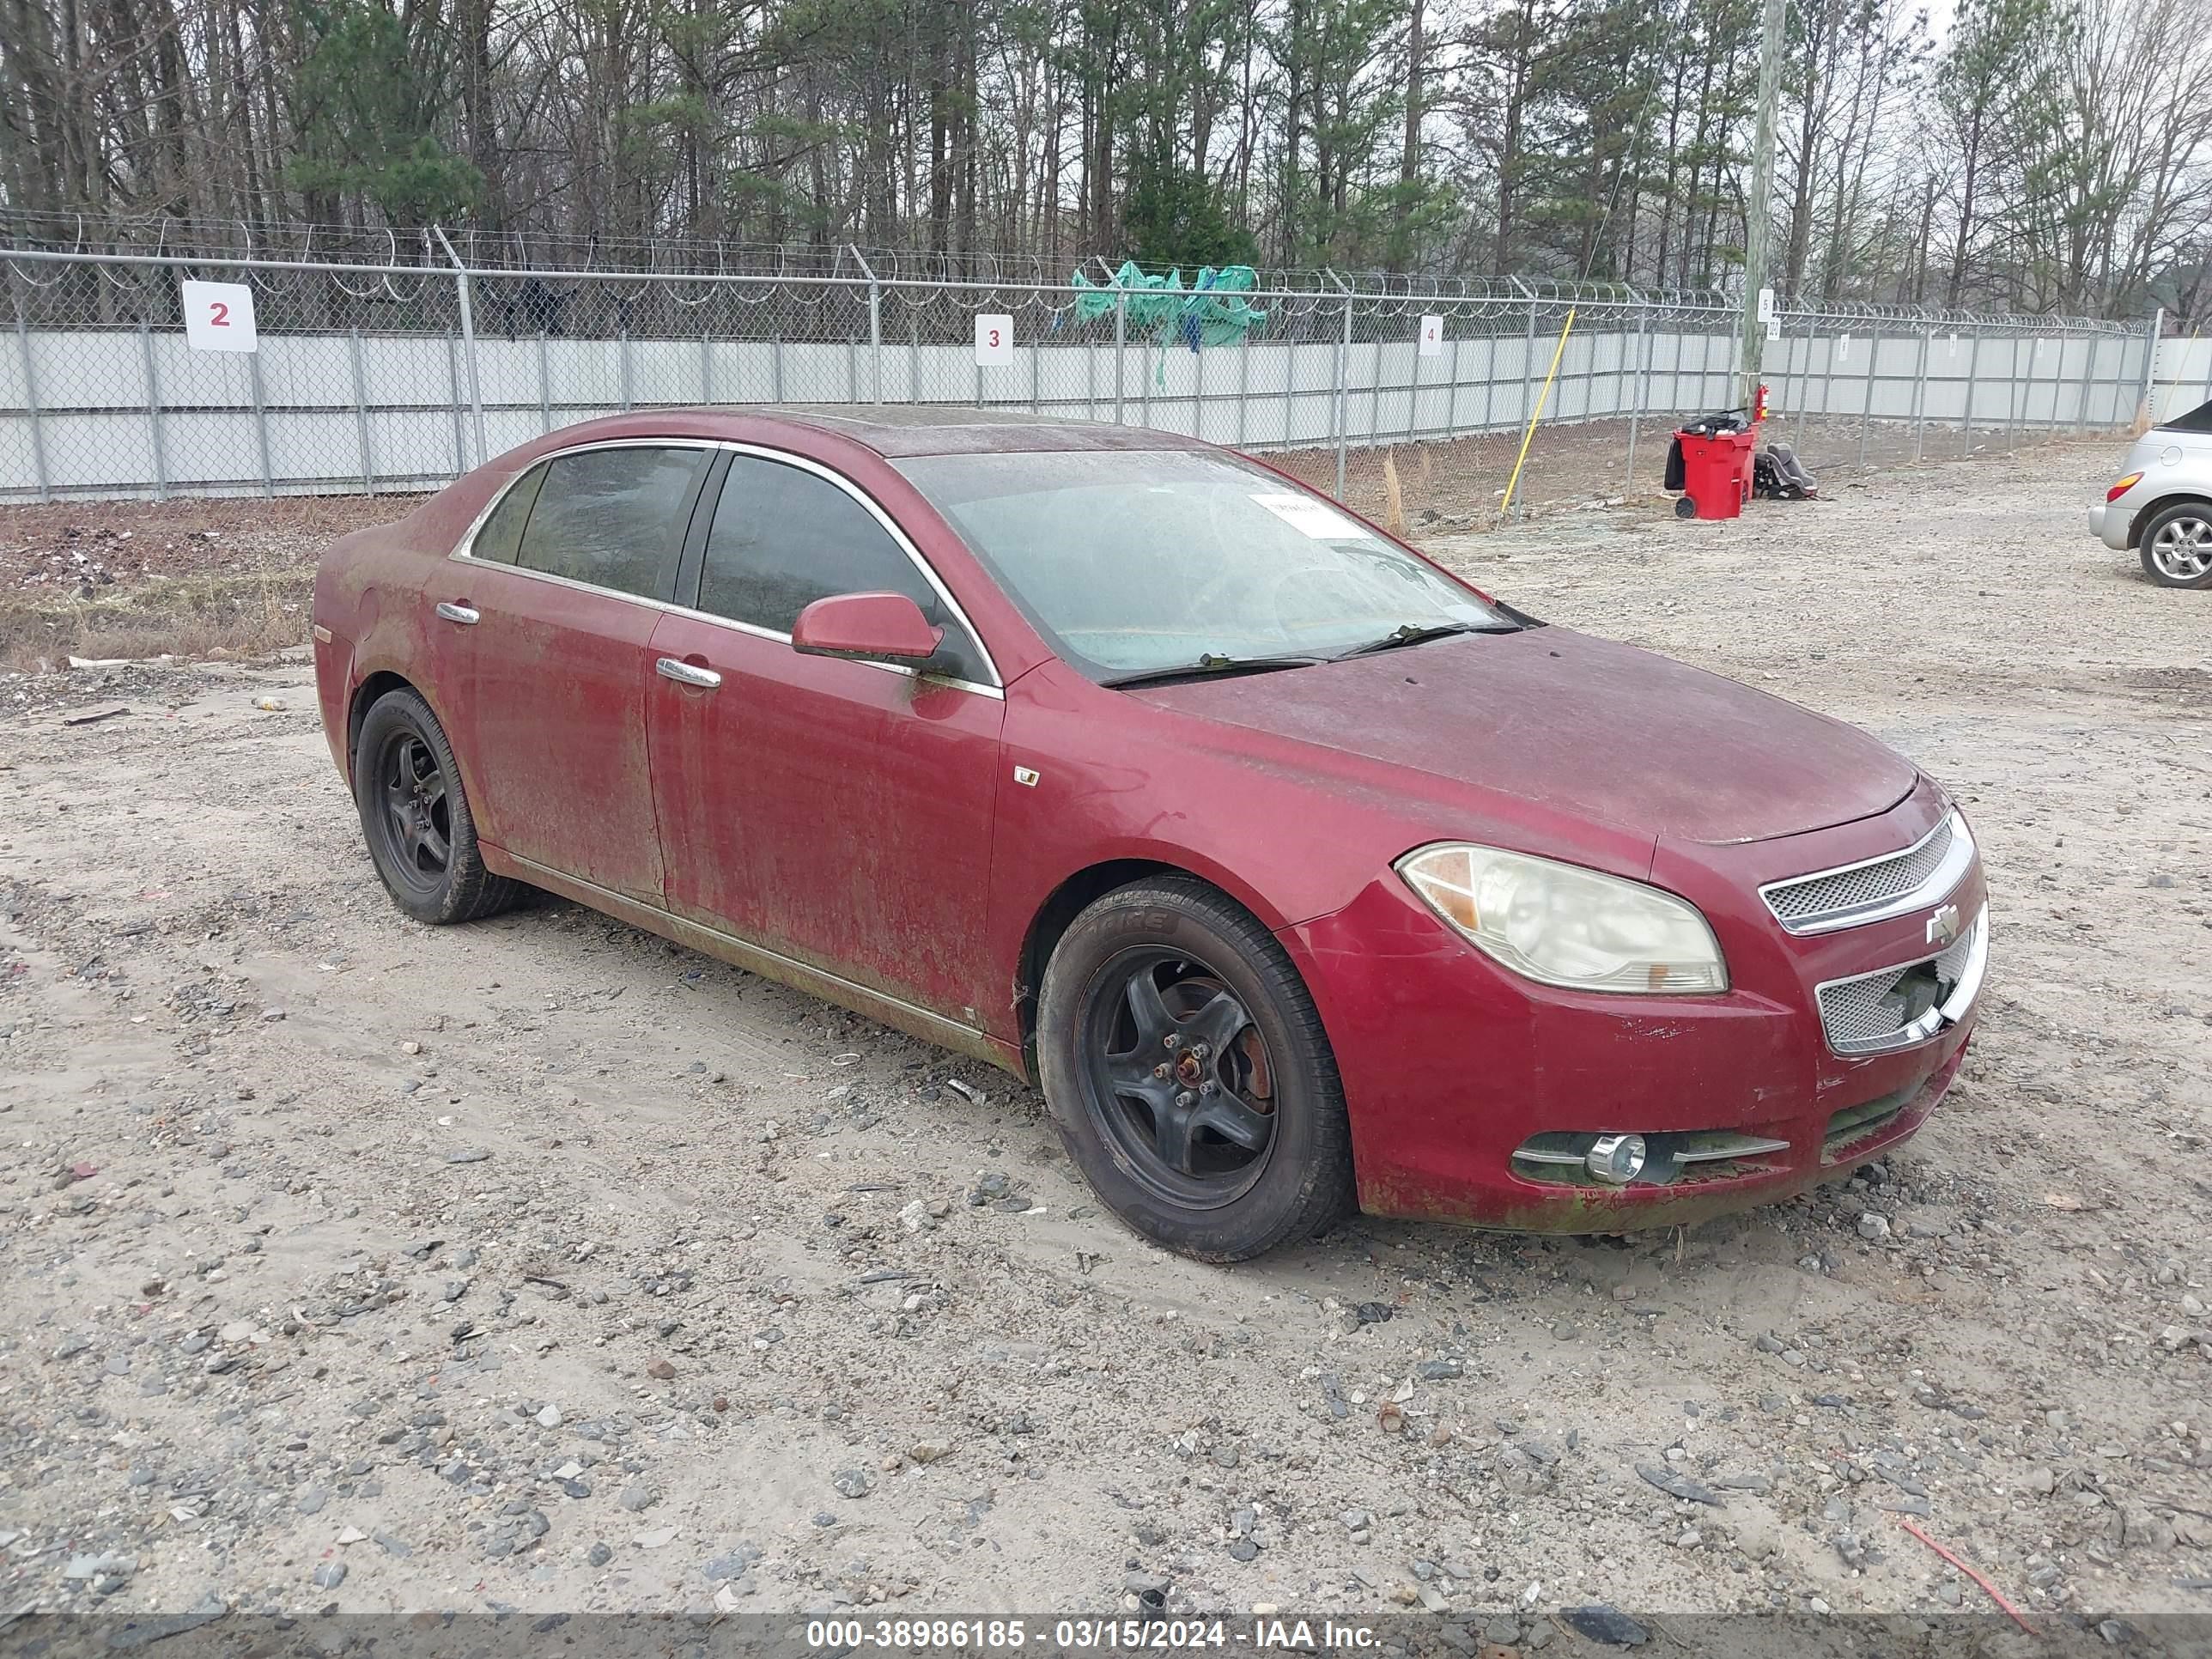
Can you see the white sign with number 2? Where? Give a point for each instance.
(994, 339)
(1432, 337)
(219, 316)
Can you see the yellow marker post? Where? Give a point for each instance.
(1537, 413)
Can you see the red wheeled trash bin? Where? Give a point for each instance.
(1716, 471)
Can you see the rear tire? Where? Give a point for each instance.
(415, 817)
(2177, 546)
(1185, 1068)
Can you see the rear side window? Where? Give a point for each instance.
(783, 537)
(500, 535)
(612, 517)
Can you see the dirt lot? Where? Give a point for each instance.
(539, 1264)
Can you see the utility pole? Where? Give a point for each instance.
(1762, 197)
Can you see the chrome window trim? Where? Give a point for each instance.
(1933, 1024)
(1938, 884)
(463, 550)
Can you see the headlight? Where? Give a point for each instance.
(1567, 926)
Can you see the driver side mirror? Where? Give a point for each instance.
(865, 628)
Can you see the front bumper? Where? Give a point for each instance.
(1452, 1065)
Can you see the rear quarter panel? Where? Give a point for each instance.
(370, 596)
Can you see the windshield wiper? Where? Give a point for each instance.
(1207, 666)
(1420, 632)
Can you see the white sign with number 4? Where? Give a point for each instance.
(994, 339)
(218, 316)
(1432, 337)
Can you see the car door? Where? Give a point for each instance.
(835, 811)
(550, 612)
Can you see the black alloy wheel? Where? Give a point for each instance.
(1185, 1069)
(416, 819)
(415, 816)
(1178, 1075)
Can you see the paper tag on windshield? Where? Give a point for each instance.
(1316, 519)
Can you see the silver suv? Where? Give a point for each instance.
(2163, 505)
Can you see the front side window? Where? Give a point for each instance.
(1135, 560)
(612, 517)
(783, 537)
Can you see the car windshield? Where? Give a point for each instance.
(1131, 562)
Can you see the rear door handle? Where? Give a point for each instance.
(465, 615)
(685, 673)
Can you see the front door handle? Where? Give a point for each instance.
(685, 673)
(465, 615)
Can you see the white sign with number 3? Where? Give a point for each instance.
(994, 339)
(1432, 337)
(219, 316)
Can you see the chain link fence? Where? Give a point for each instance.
(1411, 403)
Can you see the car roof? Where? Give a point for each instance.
(893, 430)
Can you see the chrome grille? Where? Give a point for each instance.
(1895, 1007)
(1885, 886)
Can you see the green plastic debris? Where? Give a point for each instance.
(1209, 313)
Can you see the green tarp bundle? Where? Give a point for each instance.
(1210, 312)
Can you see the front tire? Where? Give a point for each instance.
(415, 817)
(1185, 1068)
(2177, 546)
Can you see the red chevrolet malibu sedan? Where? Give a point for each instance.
(1302, 875)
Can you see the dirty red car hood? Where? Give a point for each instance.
(1585, 725)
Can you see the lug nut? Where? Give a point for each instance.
(1209, 1087)
(1171, 1042)
(1186, 1098)
(1161, 1070)
(1200, 1050)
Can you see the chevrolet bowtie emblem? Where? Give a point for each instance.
(1943, 925)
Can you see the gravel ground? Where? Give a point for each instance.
(538, 1264)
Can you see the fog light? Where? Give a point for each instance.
(1616, 1159)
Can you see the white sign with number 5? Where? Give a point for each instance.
(219, 316)
(994, 339)
(1432, 337)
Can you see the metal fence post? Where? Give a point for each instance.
(622, 377)
(1805, 379)
(1642, 382)
(2149, 403)
(875, 320)
(706, 370)
(361, 418)
(544, 385)
(453, 402)
(1243, 385)
(31, 409)
(1343, 392)
(1529, 364)
(1121, 350)
(1866, 403)
(2014, 392)
(1412, 392)
(1967, 408)
(1451, 405)
(1920, 392)
(154, 411)
(2088, 370)
(261, 422)
(1290, 388)
(468, 341)
(1489, 381)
